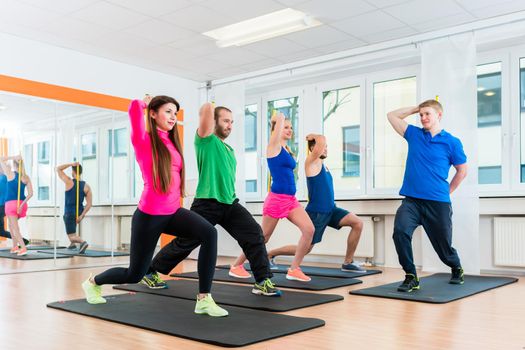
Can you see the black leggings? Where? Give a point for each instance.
(145, 232)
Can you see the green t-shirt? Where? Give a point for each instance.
(216, 163)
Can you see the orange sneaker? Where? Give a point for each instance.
(239, 272)
(297, 275)
(14, 250)
(22, 252)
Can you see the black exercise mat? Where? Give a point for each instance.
(315, 271)
(317, 282)
(436, 289)
(176, 317)
(31, 255)
(229, 294)
(89, 253)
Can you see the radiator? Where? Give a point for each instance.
(509, 241)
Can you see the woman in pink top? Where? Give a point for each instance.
(159, 155)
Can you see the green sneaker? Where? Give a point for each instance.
(207, 306)
(93, 292)
(266, 288)
(153, 281)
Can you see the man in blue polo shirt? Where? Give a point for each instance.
(431, 152)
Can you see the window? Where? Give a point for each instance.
(489, 124)
(90, 167)
(118, 146)
(290, 108)
(43, 173)
(43, 193)
(89, 145)
(250, 148)
(341, 120)
(250, 128)
(390, 149)
(251, 186)
(117, 153)
(351, 154)
(43, 152)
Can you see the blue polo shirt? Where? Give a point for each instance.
(428, 163)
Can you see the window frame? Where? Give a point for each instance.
(490, 190)
(300, 158)
(257, 195)
(111, 146)
(80, 158)
(371, 79)
(345, 83)
(34, 141)
(254, 147)
(122, 123)
(517, 188)
(345, 128)
(97, 141)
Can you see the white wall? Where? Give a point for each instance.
(23, 58)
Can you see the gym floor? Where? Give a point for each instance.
(490, 320)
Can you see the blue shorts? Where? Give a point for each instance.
(70, 220)
(322, 220)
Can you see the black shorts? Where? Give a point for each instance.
(70, 220)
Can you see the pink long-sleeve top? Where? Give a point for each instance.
(151, 201)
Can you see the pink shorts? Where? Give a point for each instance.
(10, 209)
(279, 206)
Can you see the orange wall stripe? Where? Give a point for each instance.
(61, 93)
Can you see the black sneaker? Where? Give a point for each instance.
(72, 246)
(266, 288)
(457, 276)
(83, 247)
(26, 241)
(410, 283)
(153, 281)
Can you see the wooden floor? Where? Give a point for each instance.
(491, 320)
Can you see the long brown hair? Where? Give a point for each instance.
(161, 155)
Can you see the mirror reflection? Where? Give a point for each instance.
(68, 184)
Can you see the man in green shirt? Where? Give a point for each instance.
(215, 200)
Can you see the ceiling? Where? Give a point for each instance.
(164, 35)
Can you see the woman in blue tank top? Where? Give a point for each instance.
(322, 208)
(16, 199)
(281, 202)
(70, 208)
